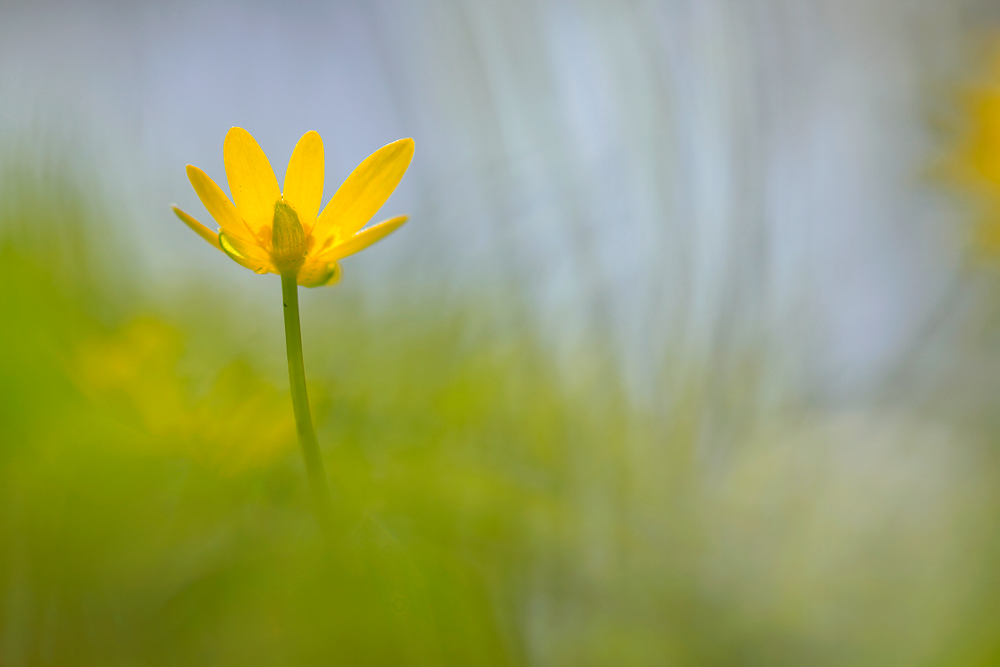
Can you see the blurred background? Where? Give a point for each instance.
(688, 355)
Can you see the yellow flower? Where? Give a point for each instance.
(131, 377)
(274, 231)
(974, 162)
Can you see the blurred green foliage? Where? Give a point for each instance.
(145, 521)
(489, 511)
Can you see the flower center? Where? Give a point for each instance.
(288, 240)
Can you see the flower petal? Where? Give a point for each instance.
(246, 254)
(363, 193)
(304, 178)
(316, 273)
(251, 179)
(198, 228)
(217, 203)
(362, 239)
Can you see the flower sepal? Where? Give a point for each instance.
(289, 244)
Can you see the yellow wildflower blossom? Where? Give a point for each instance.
(975, 162)
(131, 375)
(270, 230)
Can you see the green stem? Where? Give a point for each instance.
(300, 399)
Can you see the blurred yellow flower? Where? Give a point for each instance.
(274, 231)
(976, 161)
(242, 421)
